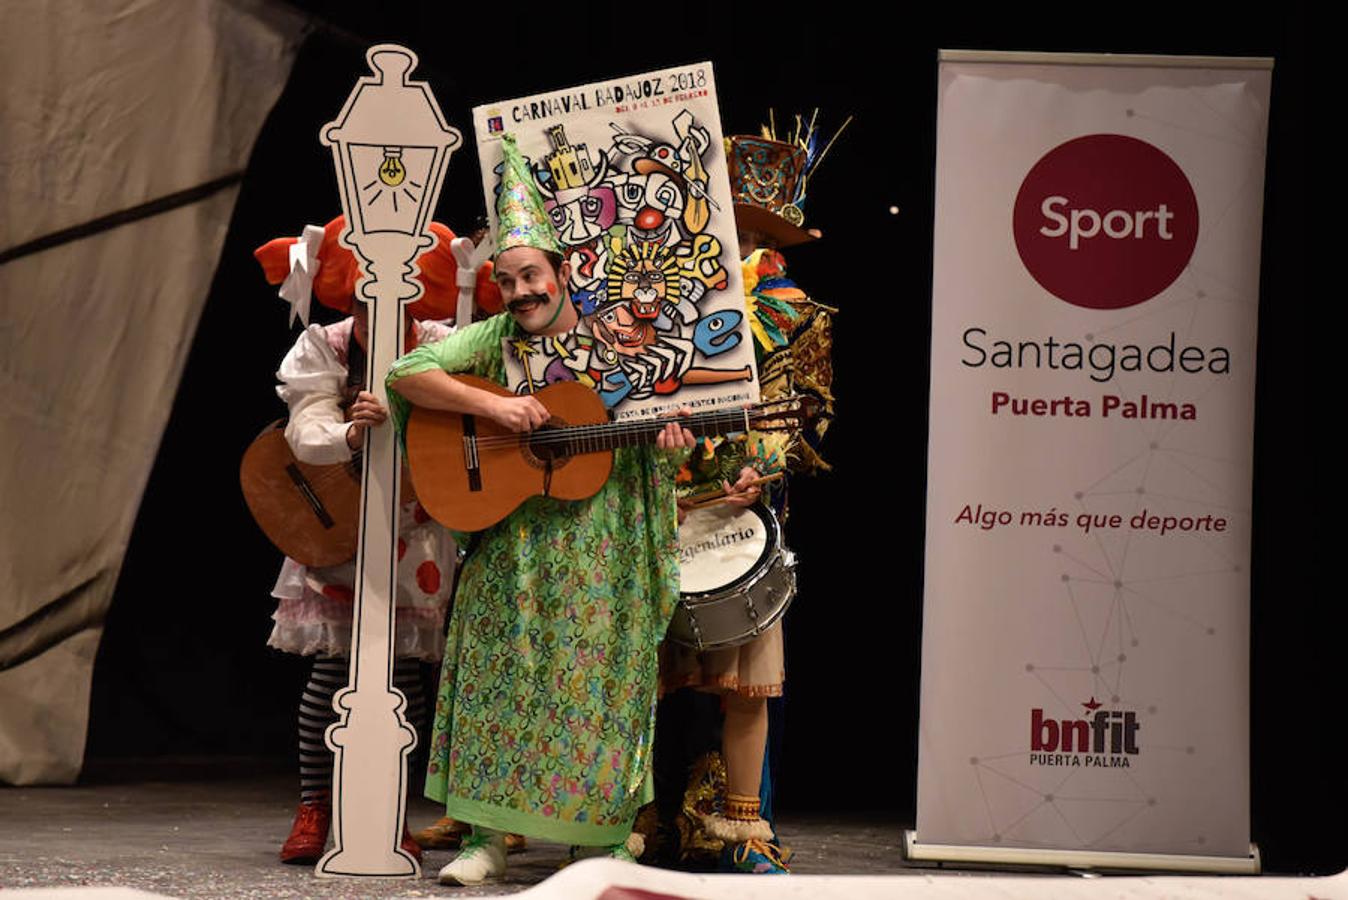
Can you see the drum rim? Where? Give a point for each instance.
(762, 565)
(786, 560)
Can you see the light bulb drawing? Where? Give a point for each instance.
(392, 172)
(393, 180)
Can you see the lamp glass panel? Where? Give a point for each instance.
(390, 185)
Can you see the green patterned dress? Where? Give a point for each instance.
(546, 708)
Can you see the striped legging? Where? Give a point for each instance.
(329, 675)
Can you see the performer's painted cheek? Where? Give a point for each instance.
(550, 288)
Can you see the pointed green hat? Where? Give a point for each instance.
(522, 221)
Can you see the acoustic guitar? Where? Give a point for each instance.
(310, 512)
(470, 472)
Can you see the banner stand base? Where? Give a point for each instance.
(1099, 860)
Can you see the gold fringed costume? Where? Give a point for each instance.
(793, 343)
(793, 340)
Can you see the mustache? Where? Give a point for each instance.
(528, 298)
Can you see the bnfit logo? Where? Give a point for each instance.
(1105, 221)
(1105, 740)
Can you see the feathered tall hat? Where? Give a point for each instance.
(769, 179)
(334, 282)
(522, 220)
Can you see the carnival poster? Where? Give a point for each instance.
(632, 172)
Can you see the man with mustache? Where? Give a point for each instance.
(544, 717)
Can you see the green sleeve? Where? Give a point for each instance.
(475, 350)
(672, 460)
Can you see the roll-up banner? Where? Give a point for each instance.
(1085, 658)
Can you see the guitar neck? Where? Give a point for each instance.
(611, 435)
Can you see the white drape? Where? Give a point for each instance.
(105, 106)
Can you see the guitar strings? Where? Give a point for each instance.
(719, 420)
(604, 431)
(614, 430)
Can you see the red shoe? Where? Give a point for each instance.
(309, 834)
(410, 845)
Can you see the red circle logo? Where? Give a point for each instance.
(1105, 221)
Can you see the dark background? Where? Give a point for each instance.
(183, 670)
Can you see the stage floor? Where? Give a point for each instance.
(215, 834)
(188, 830)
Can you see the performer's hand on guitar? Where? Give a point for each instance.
(675, 436)
(366, 412)
(523, 413)
(743, 492)
(435, 389)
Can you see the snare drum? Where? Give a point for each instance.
(736, 577)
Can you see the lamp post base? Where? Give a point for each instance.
(369, 784)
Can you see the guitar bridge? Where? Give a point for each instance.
(470, 458)
(307, 492)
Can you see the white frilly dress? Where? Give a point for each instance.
(314, 606)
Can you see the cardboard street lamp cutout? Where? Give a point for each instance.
(391, 146)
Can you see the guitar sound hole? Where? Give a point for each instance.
(543, 448)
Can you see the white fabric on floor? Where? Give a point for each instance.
(612, 880)
(105, 106)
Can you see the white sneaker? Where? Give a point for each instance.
(483, 858)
